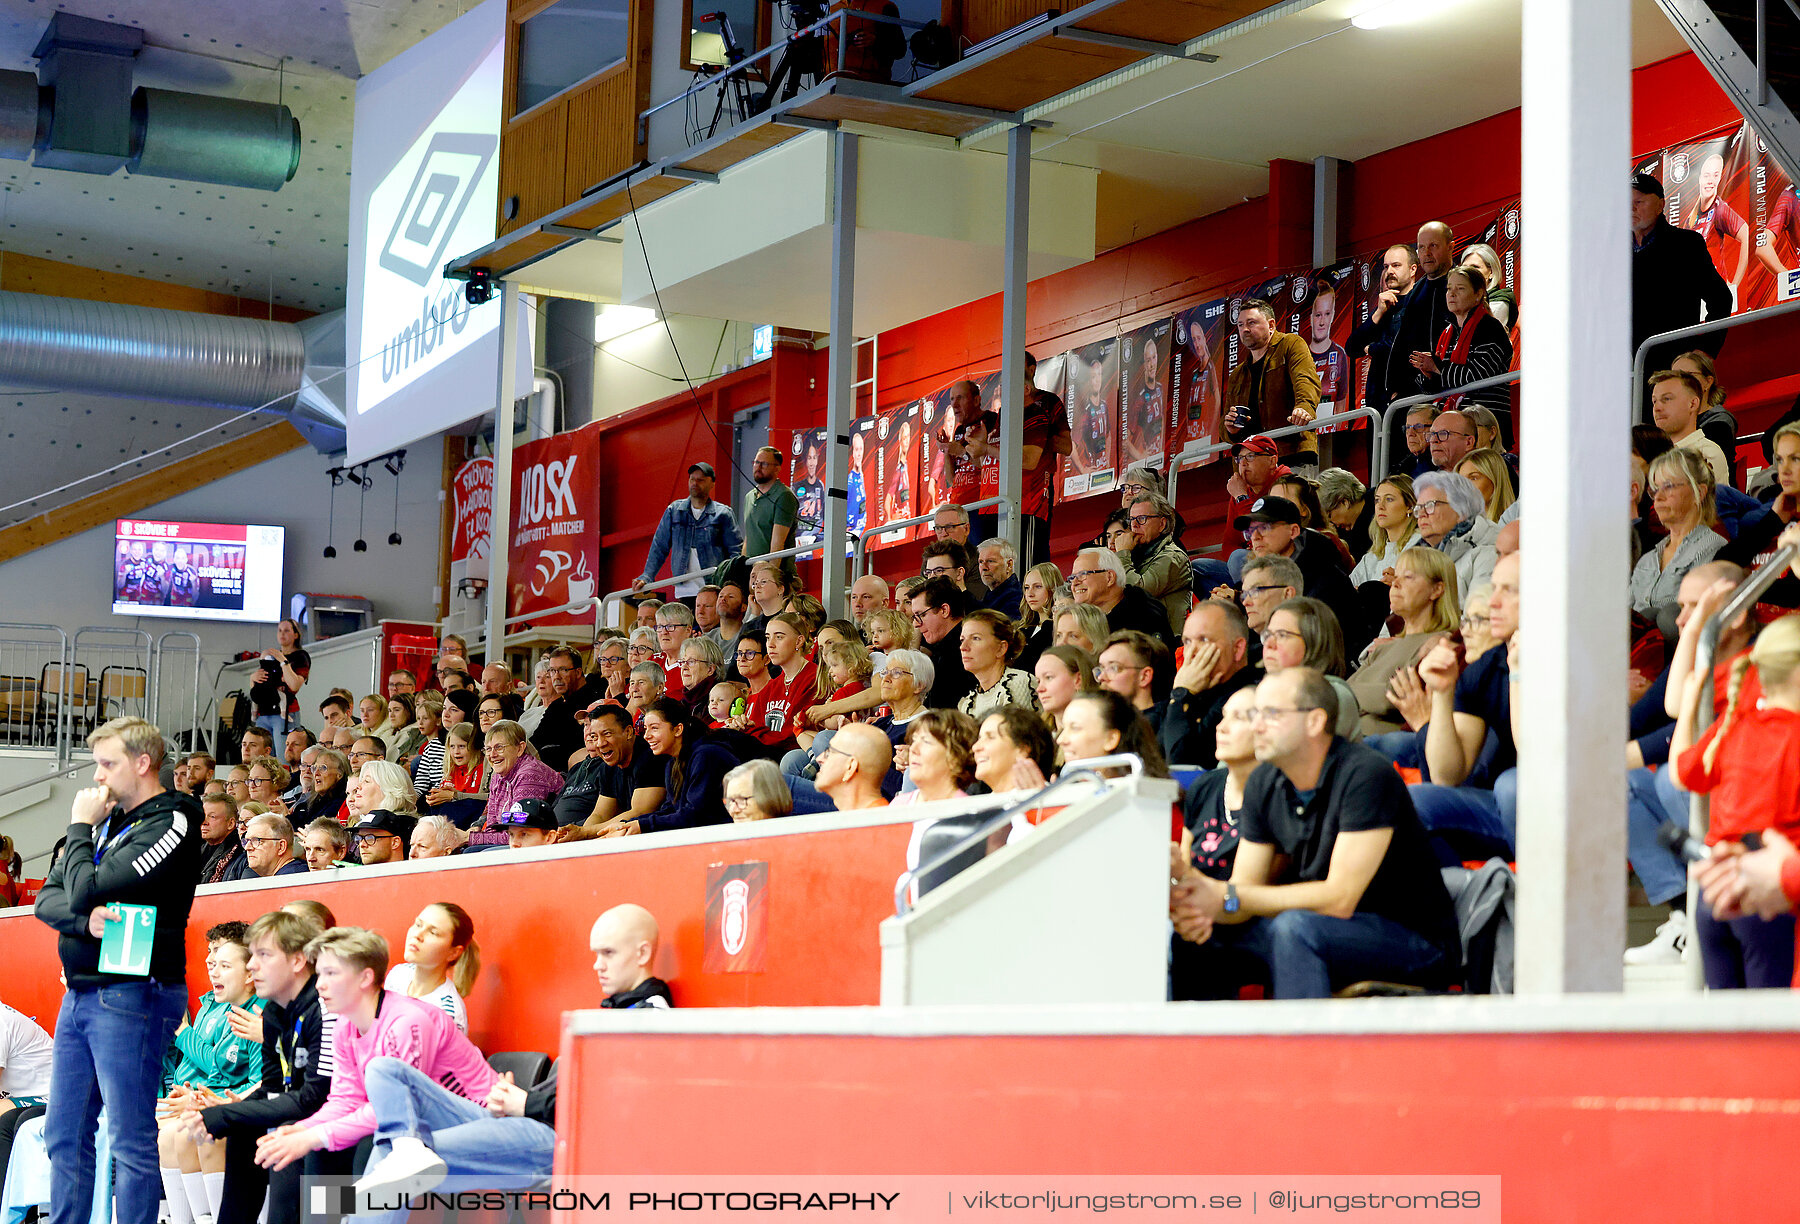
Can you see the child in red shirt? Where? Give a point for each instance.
(1749, 762)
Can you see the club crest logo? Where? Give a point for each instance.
(734, 921)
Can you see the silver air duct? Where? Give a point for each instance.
(137, 352)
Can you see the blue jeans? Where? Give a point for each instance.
(1403, 748)
(1651, 801)
(1209, 574)
(504, 1153)
(109, 1046)
(808, 797)
(1306, 952)
(276, 725)
(1470, 822)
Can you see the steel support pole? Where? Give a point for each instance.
(1012, 337)
(1574, 581)
(500, 521)
(1325, 210)
(840, 400)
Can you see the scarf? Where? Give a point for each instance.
(1461, 529)
(1455, 344)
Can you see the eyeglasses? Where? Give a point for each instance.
(748, 654)
(1268, 714)
(365, 756)
(1418, 428)
(1430, 507)
(937, 571)
(1272, 636)
(1444, 435)
(1260, 590)
(737, 801)
(618, 658)
(262, 841)
(941, 528)
(254, 780)
(363, 839)
(1138, 520)
(894, 673)
(1086, 574)
(1107, 671)
(918, 618)
(560, 671)
(828, 749)
(1663, 490)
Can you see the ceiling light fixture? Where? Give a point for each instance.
(1399, 12)
(613, 321)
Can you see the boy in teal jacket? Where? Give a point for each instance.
(215, 1059)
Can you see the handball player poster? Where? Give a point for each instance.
(1144, 366)
(860, 480)
(1706, 188)
(1196, 380)
(897, 489)
(1775, 224)
(808, 471)
(1322, 307)
(1091, 374)
(947, 479)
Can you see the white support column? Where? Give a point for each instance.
(500, 521)
(1325, 210)
(1012, 334)
(1573, 587)
(840, 400)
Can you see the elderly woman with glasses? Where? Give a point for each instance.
(267, 779)
(1450, 513)
(1682, 496)
(700, 663)
(613, 661)
(755, 791)
(515, 773)
(1304, 632)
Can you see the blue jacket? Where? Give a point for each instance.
(1737, 511)
(714, 535)
(701, 797)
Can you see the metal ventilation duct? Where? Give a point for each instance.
(102, 348)
(81, 113)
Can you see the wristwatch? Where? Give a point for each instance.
(1231, 898)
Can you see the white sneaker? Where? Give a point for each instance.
(410, 1168)
(1666, 946)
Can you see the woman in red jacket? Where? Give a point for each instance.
(1749, 762)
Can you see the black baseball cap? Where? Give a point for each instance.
(1270, 510)
(529, 814)
(705, 469)
(383, 821)
(1649, 184)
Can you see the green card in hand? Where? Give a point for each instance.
(125, 945)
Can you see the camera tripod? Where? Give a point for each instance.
(735, 86)
(802, 60)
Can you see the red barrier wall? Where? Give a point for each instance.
(1579, 1126)
(827, 894)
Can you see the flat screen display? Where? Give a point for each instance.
(198, 571)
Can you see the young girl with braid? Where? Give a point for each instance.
(1749, 762)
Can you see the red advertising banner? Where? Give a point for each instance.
(209, 533)
(473, 489)
(895, 494)
(1092, 378)
(554, 544)
(737, 918)
(1144, 392)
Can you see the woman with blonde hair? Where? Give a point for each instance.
(1486, 470)
(1391, 530)
(1502, 303)
(1036, 611)
(1749, 762)
(1682, 494)
(386, 786)
(1305, 632)
(1423, 596)
(1083, 626)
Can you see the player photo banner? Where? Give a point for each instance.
(1196, 378)
(1092, 382)
(862, 483)
(1775, 223)
(737, 918)
(1706, 188)
(808, 471)
(895, 495)
(1321, 307)
(554, 538)
(1144, 359)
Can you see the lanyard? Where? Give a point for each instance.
(101, 840)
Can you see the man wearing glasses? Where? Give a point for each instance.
(1140, 669)
(948, 559)
(1156, 562)
(1099, 579)
(382, 837)
(269, 846)
(559, 735)
(1274, 527)
(852, 767)
(1451, 438)
(1216, 662)
(1360, 896)
(937, 609)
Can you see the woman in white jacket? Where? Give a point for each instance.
(1391, 531)
(1451, 519)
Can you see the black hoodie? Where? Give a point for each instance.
(540, 1100)
(148, 856)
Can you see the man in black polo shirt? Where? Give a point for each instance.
(1216, 664)
(630, 782)
(1361, 896)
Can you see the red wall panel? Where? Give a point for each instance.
(1579, 1126)
(827, 895)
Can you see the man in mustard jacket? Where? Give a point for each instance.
(1275, 384)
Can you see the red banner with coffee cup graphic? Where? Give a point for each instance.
(553, 540)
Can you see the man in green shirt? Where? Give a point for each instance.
(770, 509)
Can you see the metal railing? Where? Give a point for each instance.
(1741, 601)
(1075, 771)
(1194, 452)
(1641, 357)
(741, 72)
(37, 687)
(1378, 469)
(165, 702)
(118, 665)
(860, 557)
(704, 575)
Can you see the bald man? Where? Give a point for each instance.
(509, 1142)
(496, 680)
(867, 594)
(853, 766)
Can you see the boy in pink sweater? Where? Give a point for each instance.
(373, 1023)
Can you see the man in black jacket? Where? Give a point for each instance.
(1275, 530)
(1217, 663)
(509, 1146)
(1672, 278)
(558, 734)
(296, 1077)
(130, 843)
(1375, 337)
